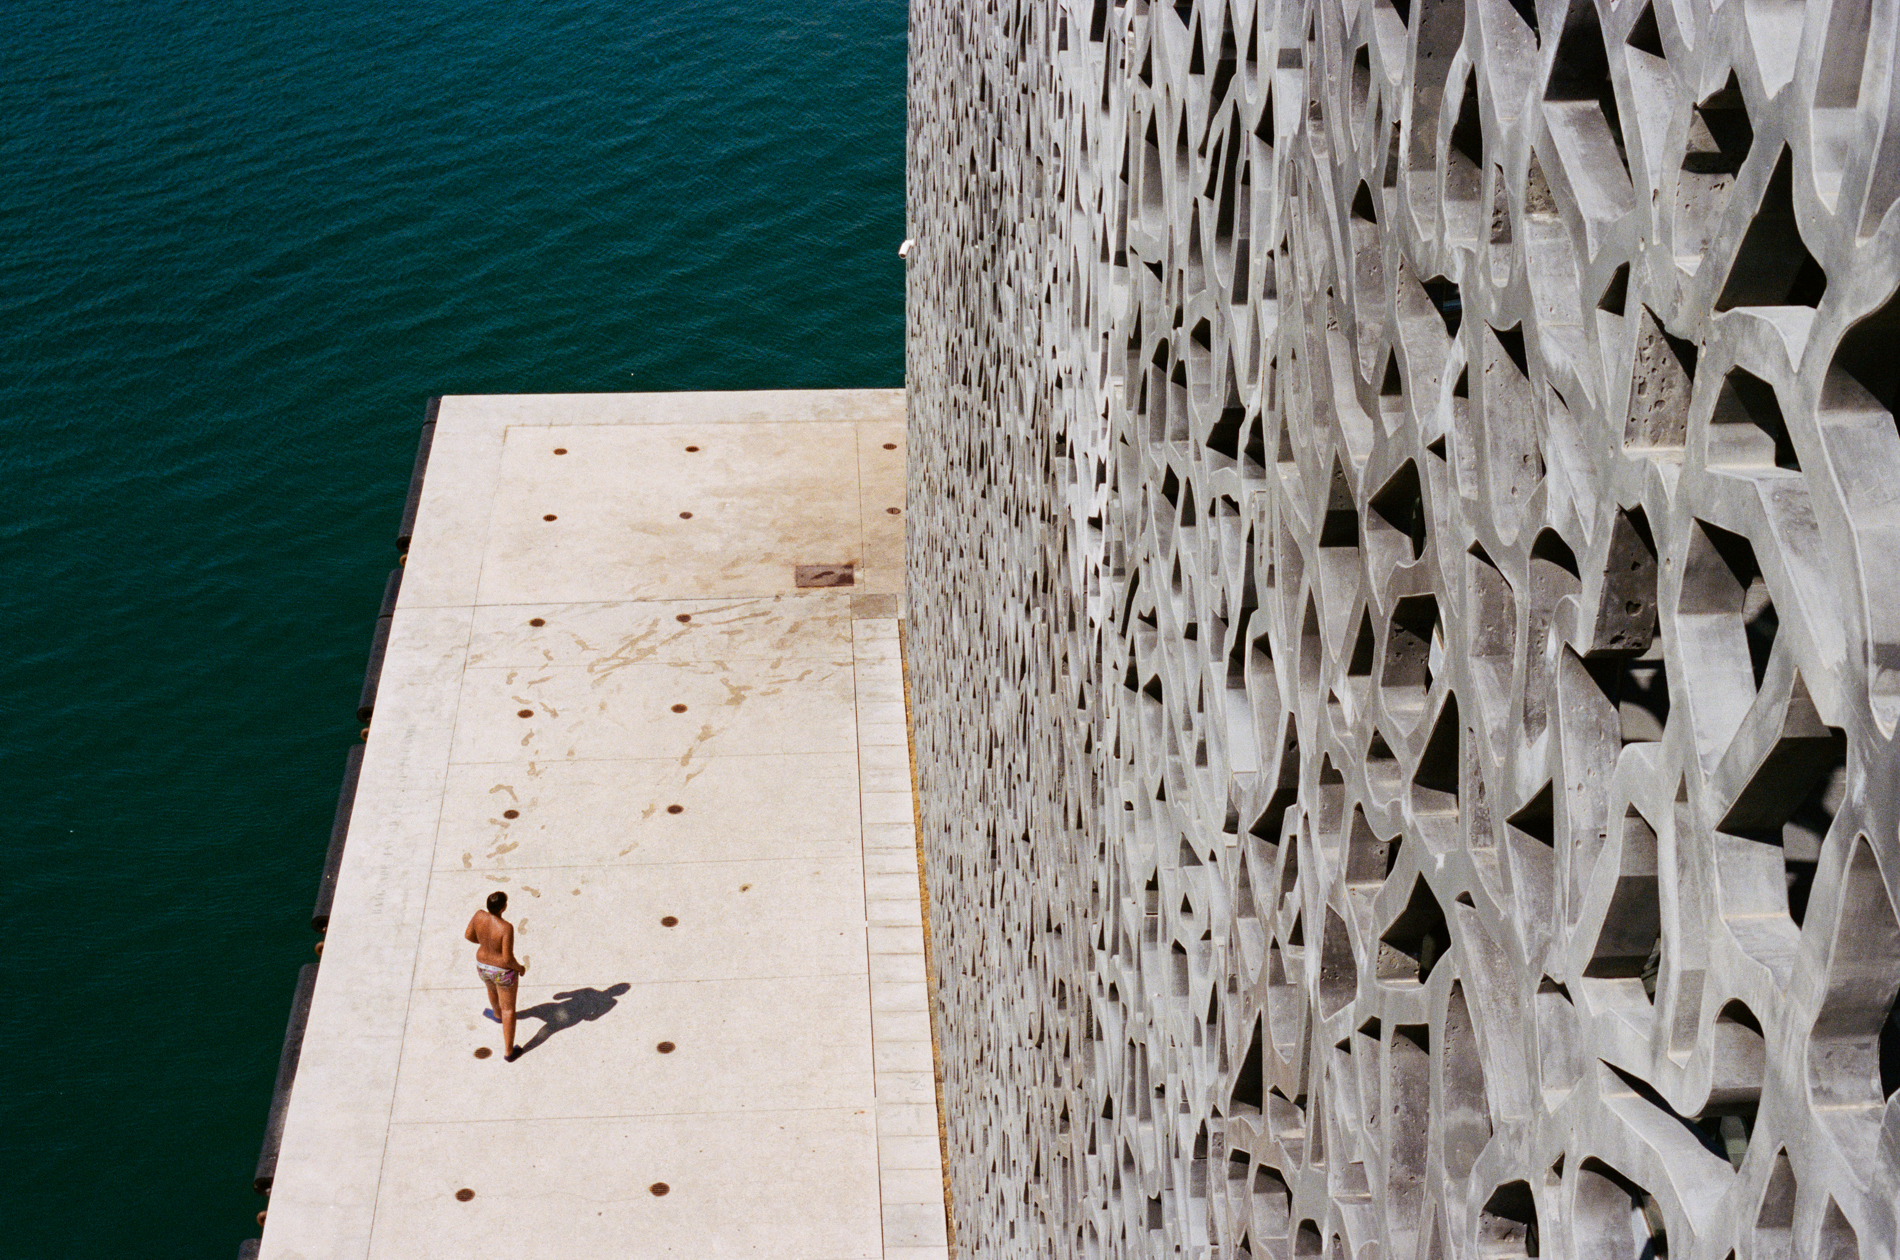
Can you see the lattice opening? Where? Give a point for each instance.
(1364, 207)
(1271, 821)
(1533, 871)
(1493, 622)
(1513, 463)
(1408, 1067)
(1866, 361)
(1224, 437)
(1748, 429)
(1507, 1224)
(1581, 99)
(1661, 380)
(1791, 799)
(1616, 292)
(1368, 858)
(1511, 342)
(1435, 783)
(1838, 1240)
(1226, 63)
(1338, 973)
(1644, 36)
(1464, 166)
(1250, 1082)
(1720, 137)
(1400, 503)
(1359, 663)
(1284, 1008)
(1409, 645)
(1311, 647)
(1628, 947)
(1615, 1216)
(1263, 129)
(1382, 773)
(1537, 820)
(1890, 1051)
(1150, 191)
(1255, 451)
(1361, 81)
(1447, 301)
(1773, 266)
(1638, 690)
(1774, 1218)
(1415, 941)
(1465, 1115)
(1500, 233)
(1272, 1201)
(1239, 651)
(1553, 576)
(1559, 1065)
(1845, 1068)
(1441, 29)
(1738, 1057)
(1842, 64)
(1243, 234)
(1224, 187)
(1627, 606)
(1728, 628)
(1340, 526)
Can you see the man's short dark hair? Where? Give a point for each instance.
(497, 902)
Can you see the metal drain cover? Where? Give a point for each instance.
(824, 575)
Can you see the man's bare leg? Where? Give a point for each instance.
(505, 1007)
(494, 1003)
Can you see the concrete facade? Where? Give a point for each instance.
(1404, 622)
(605, 693)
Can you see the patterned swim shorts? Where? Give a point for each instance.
(499, 976)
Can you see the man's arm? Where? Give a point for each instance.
(469, 935)
(508, 950)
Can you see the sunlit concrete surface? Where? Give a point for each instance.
(796, 1115)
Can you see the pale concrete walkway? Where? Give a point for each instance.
(693, 781)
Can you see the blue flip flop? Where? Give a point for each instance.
(492, 1016)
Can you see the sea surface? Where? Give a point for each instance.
(240, 245)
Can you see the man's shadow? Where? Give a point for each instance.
(581, 1006)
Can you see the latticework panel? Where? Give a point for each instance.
(1404, 629)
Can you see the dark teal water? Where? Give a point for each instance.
(239, 246)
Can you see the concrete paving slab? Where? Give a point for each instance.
(756, 918)
(444, 563)
(790, 805)
(732, 517)
(652, 710)
(603, 636)
(738, 1184)
(881, 472)
(718, 905)
(738, 1045)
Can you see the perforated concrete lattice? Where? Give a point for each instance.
(1404, 628)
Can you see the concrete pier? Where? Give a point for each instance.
(605, 693)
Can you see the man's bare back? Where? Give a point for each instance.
(494, 939)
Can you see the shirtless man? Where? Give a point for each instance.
(495, 961)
